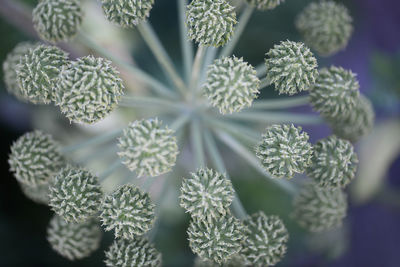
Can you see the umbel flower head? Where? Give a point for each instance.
(210, 22)
(35, 158)
(127, 13)
(206, 193)
(73, 241)
(334, 164)
(57, 20)
(231, 84)
(237, 260)
(319, 209)
(335, 92)
(291, 67)
(75, 194)
(216, 239)
(127, 211)
(284, 150)
(38, 194)
(264, 4)
(88, 89)
(9, 68)
(266, 240)
(326, 26)
(147, 148)
(136, 252)
(38, 71)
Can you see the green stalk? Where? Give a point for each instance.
(150, 102)
(244, 133)
(197, 143)
(196, 69)
(107, 172)
(180, 121)
(208, 60)
(276, 117)
(264, 83)
(281, 103)
(186, 45)
(261, 70)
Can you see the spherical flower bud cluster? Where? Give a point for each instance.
(127, 211)
(319, 209)
(237, 260)
(73, 241)
(326, 26)
(137, 252)
(127, 13)
(57, 20)
(264, 4)
(147, 148)
(334, 164)
(210, 22)
(291, 67)
(206, 193)
(284, 150)
(75, 194)
(38, 193)
(88, 89)
(35, 158)
(231, 84)
(266, 240)
(37, 72)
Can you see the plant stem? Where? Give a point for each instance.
(196, 69)
(281, 103)
(107, 172)
(186, 45)
(208, 59)
(161, 55)
(150, 102)
(276, 117)
(241, 132)
(197, 143)
(261, 70)
(180, 121)
(264, 83)
(243, 20)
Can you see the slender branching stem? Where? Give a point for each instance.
(208, 60)
(281, 103)
(150, 102)
(196, 69)
(197, 142)
(276, 117)
(180, 121)
(186, 45)
(264, 83)
(261, 70)
(112, 168)
(100, 152)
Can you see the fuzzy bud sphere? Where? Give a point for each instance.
(210, 22)
(326, 26)
(335, 92)
(137, 252)
(206, 193)
(127, 211)
(284, 150)
(75, 194)
(38, 194)
(231, 84)
(216, 239)
(264, 4)
(319, 209)
(127, 13)
(88, 90)
(291, 67)
(9, 69)
(334, 164)
(37, 73)
(35, 158)
(266, 240)
(236, 261)
(73, 241)
(57, 20)
(147, 148)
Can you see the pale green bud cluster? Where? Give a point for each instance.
(284, 150)
(264, 4)
(73, 241)
(291, 67)
(147, 148)
(88, 89)
(127, 211)
(57, 20)
(38, 193)
(231, 84)
(236, 261)
(334, 164)
(210, 22)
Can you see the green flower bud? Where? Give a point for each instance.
(236, 261)
(264, 4)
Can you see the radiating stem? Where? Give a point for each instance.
(281, 103)
(113, 167)
(261, 70)
(150, 102)
(197, 143)
(276, 117)
(186, 45)
(208, 60)
(240, 131)
(264, 83)
(196, 68)
(180, 121)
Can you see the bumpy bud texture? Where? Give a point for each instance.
(127, 13)
(266, 240)
(147, 148)
(335, 92)
(127, 211)
(284, 150)
(216, 239)
(236, 261)
(231, 84)
(210, 22)
(38, 71)
(291, 67)
(137, 252)
(88, 89)
(38, 194)
(73, 241)
(75, 194)
(326, 26)
(10, 65)
(57, 20)
(35, 158)
(264, 4)
(319, 209)
(334, 164)
(206, 193)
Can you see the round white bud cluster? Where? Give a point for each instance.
(264, 4)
